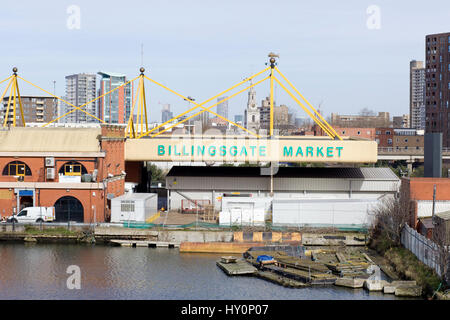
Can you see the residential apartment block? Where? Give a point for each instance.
(416, 95)
(35, 109)
(437, 80)
(80, 89)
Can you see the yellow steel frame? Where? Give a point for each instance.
(14, 96)
(136, 130)
(325, 123)
(141, 111)
(70, 104)
(208, 109)
(196, 105)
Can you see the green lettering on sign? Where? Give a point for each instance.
(310, 150)
(287, 152)
(329, 152)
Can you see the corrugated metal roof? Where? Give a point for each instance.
(444, 215)
(136, 196)
(365, 173)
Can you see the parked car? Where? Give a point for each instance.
(34, 214)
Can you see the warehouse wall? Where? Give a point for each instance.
(175, 198)
(323, 213)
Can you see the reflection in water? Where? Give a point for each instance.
(39, 272)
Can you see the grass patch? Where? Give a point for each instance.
(58, 231)
(406, 264)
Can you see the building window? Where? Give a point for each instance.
(389, 141)
(388, 132)
(72, 168)
(16, 168)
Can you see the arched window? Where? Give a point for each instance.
(72, 168)
(16, 168)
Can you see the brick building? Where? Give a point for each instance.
(35, 109)
(437, 81)
(384, 137)
(419, 192)
(364, 133)
(408, 139)
(76, 170)
(361, 121)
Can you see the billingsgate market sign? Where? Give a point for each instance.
(238, 149)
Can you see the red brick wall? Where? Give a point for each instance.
(366, 133)
(422, 189)
(48, 198)
(37, 167)
(383, 135)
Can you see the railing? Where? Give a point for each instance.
(420, 151)
(424, 249)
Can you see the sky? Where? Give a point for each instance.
(342, 55)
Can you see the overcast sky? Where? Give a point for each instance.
(200, 48)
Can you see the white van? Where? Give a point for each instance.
(34, 214)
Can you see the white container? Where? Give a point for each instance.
(246, 211)
(134, 207)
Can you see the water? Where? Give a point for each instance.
(39, 272)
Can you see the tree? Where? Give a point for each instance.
(441, 237)
(391, 215)
(366, 112)
(158, 174)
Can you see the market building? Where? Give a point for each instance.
(327, 187)
(76, 170)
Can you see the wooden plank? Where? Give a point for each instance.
(240, 267)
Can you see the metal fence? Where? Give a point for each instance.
(423, 248)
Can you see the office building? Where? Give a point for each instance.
(166, 114)
(239, 119)
(222, 108)
(416, 95)
(116, 106)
